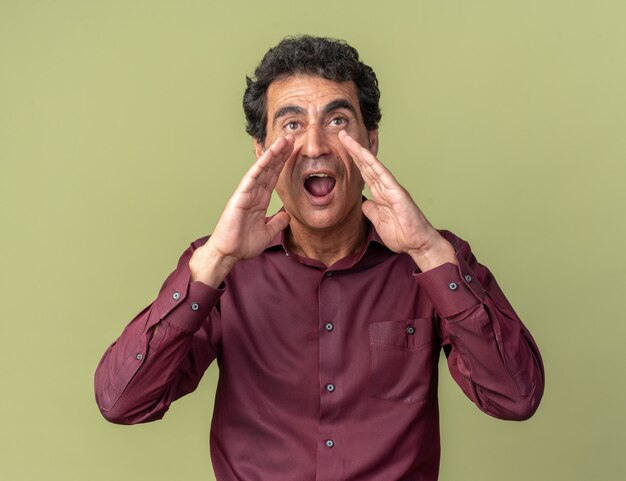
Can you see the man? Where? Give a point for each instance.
(326, 319)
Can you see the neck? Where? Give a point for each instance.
(328, 245)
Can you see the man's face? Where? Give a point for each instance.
(320, 186)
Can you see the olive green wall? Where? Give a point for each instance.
(121, 137)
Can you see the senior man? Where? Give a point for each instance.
(327, 318)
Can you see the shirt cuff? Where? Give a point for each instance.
(184, 304)
(451, 289)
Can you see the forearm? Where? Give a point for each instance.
(136, 378)
(495, 361)
(491, 354)
(162, 353)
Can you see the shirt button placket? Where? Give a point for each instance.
(329, 459)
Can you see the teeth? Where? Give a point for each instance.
(316, 175)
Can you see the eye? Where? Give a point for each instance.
(291, 126)
(338, 122)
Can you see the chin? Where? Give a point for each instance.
(333, 213)
(318, 219)
(319, 222)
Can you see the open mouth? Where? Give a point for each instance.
(319, 184)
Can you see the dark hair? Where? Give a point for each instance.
(329, 58)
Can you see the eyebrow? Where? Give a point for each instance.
(330, 107)
(339, 104)
(289, 109)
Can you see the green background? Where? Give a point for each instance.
(122, 136)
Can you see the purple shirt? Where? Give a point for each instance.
(325, 373)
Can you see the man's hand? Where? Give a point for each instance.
(397, 219)
(241, 232)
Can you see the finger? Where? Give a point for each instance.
(362, 154)
(375, 170)
(277, 224)
(278, 153)
(370, 210)
(273, 159)
(266, 170)
(371, 168)
(354, 151)
(281, 159)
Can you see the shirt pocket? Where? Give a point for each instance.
(402, 360)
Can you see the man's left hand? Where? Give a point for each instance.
(400, 223)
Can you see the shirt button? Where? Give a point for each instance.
(139, 356)
(330, 387)
(195, 306)
(329, 443)
(452, 286)
(410, 330)
(176, 295)
(468, 278)
(329, 326)
(329, 274)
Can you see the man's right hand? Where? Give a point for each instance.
(241, 232)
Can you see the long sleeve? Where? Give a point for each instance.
(147, 368)
(491, 355)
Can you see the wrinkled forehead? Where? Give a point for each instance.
(312, 94)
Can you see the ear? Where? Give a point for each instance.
(259, 148)
(372, 136)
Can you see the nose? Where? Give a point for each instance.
(314, 142)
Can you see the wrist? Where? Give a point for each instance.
(210, 266)
(434, 253)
